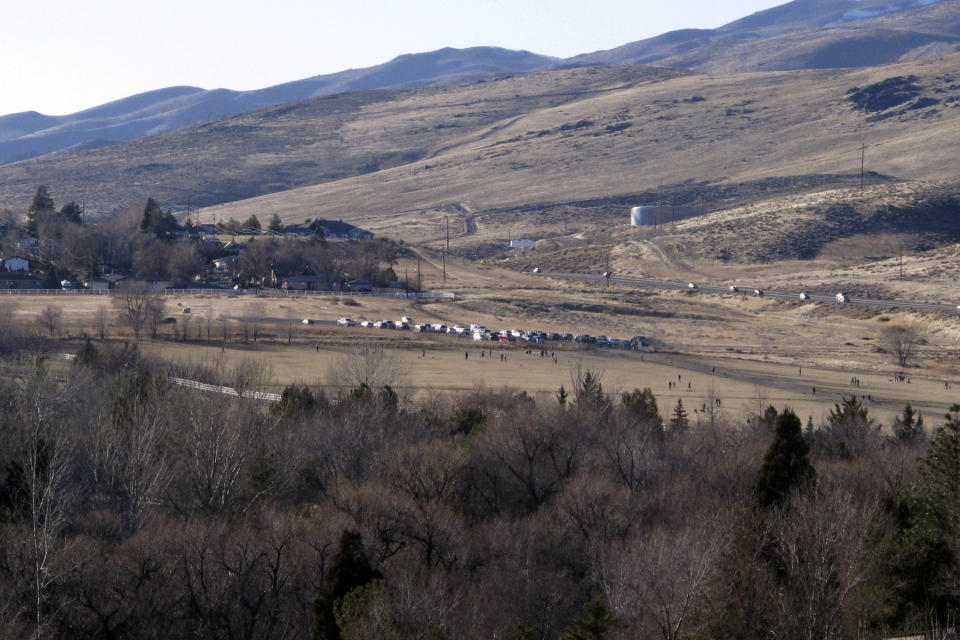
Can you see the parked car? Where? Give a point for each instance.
(692, 286)
(346, 322)
(423, 328)
(758, 292)
(408, 320)
(566, 337)
(66, 284)
(733, 289)
(536, 269)
(307, 321)
(842, 298)
(804, 295)
(366, 323)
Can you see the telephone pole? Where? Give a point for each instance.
(863, 149)
(446, 250)
(901, 262)
(419, 281)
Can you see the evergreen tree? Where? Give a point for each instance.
(157, 221)
(595, 622)
(679, 421)
(252, 225)
(275, 225)
(350, 570)
(908, 426)
(42, 204)
(786, 465)
(316, 227)
(72, 212)
(642, 404)
(562, 396)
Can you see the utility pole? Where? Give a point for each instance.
(406, 280)
(863, 149)
(446, 250)
(901, 262)
(419, 281)
(660, 207)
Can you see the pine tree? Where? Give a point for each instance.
(276, 224)
(151, 216)
(350, 570)
(679, 421)
(908, 426)
(596, 621)
(642, 404)
(252, 225)
(786, 465)
(72, 212)
(42, 204)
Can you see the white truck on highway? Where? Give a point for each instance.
(842, 298)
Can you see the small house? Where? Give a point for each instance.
(97, 285)
(17, 280)
(16, 264)
(304, 283)
(360, 286)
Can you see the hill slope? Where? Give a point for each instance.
(305, 142)
(691, 130)
(803, 34)
(30, 134)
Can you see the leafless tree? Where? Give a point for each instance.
(368, 364)
(51, 319)
(252, 319)
(102, 321)
(902, 342)
(655, 581)
(129, 452)
(43, 452)
(138, 306)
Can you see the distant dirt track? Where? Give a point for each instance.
(654, 283)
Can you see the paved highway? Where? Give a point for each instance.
(653, 283)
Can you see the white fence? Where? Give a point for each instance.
(284, 293)
(227, 391)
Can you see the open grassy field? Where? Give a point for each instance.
(744, 387)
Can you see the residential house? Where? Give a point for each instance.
(16, 264)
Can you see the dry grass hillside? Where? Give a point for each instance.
(306, 142)
(696, 130)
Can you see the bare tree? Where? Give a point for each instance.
(252, 320)
(902, 342)
(139, 306)
(43, 458)
(658, 580)
(51, 319)
(102, 321)
(368, 364)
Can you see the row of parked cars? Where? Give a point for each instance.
(480, 333)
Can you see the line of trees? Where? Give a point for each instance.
(130, 508)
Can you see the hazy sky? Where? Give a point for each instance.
(60, 56)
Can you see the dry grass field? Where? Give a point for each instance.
(757, 346)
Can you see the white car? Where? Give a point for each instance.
(691, 286)
(842, 298)
(733, 289)
(307, 321)
(758, 293)
(366, 324)
(407, 320)
(804, 295)
(536, 269)
(346, 322)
